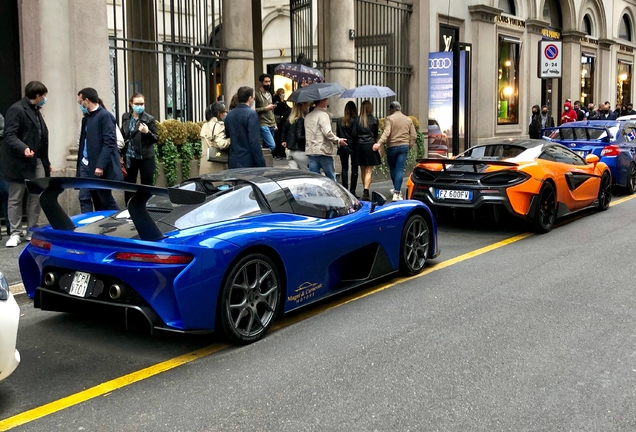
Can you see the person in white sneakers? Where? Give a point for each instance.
(399, 135)
(25, 155)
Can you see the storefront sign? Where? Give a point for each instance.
(511, 21)
(589, 40)
(551, 34)
(447, 35)
(625, 48)
(550, 59)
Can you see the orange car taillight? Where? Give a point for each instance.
(154, 258)
(40, 244)
(504, 178)
(611, 150)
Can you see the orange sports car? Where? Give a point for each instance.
(537, 180)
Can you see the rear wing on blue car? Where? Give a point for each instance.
(50, 188)
(546, 132)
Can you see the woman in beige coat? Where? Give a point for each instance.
(213, 138)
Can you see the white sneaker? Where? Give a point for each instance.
(27, 237)
(392, 191)
(397, 196)
(13, 241)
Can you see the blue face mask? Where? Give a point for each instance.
(138, 109)
(42, 102)
(83, 109)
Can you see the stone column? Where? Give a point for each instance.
(237, 38)
(74, 55)
(606, 71)
(572, 64)
(484, 86)
(342, 53)
(420, 41)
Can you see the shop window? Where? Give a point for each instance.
(588, 64)
(508, 88)
(587, 25)
(508, 7)
(625, 28)
(624, 83)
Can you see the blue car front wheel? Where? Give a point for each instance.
(414, 245)
(250, 299)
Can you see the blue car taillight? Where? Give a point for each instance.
(154, 258)
(611, 150)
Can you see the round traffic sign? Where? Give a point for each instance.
(551, 51)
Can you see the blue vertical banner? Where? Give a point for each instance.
(440, 101)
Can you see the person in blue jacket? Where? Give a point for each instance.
(244, 130)
(98, 156)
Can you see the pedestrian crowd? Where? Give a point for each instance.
(231, 137)
(540, 118)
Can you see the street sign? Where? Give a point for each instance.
(550, 59)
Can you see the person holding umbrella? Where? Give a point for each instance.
(368, 155)
(321, 143)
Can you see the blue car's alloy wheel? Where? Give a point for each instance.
(250, 299)
(414, 245)
(631, 179)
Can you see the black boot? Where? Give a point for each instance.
(365, 195)
(354, 182)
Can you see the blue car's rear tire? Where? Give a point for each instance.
(631, 179)
(250, 299)
(414, 245)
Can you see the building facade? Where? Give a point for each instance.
(184, 54)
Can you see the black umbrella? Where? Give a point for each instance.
(299, 73)
(316, 92)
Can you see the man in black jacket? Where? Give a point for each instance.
(243, 129)
(25, 155)
(98, 156)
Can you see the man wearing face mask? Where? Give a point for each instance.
(98, 156)
(265, 110)
(547, 121)
(140, 134)
(25, 155)
(243, 130)
(569, 115)
(606, 113)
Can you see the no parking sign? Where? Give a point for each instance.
(550, 59)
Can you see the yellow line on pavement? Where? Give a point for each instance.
(117, 383)
(622, 200)
(107, 387)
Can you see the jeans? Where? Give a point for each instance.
(267, 133)
(396, 157)
(325, 162)
(16, 195)
(297, 159)
(105, 199)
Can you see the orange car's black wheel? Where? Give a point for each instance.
(605, 192)
(631, 179)
(545, 213)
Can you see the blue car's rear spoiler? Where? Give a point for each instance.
(544, 131)
(473, 162)
(51, 187)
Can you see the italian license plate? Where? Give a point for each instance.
(580, 153)
(79, 284)
(454, 194)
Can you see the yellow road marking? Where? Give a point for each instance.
(117, 383)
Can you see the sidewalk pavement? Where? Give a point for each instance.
(9, 256)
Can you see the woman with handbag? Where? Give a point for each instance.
(215, 145)
(294, 137)
(346, 127)
(140, 136)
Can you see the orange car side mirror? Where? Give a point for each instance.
(591, 159)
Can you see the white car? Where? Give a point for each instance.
(9, 317)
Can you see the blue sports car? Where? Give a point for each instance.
(225, 251)
(613, 141)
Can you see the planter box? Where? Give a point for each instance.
(161, 175)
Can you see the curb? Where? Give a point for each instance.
(17, 289)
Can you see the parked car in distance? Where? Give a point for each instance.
(536, 180)
(613, 141)
(437, 139)
(9, 318)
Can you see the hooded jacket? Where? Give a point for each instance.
(568, 115)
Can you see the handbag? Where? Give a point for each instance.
(216, 154)
(124, 171)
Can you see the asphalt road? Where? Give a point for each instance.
(534, 335)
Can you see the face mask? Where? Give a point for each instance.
(544, 112)
(42, 102)
(567, 109)
(266, 87)
(83, 109)
(138, 109)
(534, 112)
